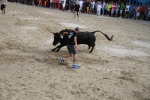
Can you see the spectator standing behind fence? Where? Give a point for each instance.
(63, 4)
(99, 7)
(117, 9)
(103, 7)
(122, 6)
(3, 6)
(130, 10)
(143, 12)
(72, 5)
(138, 11)
(113, 9)
(108, 9)
(127, 10)
(147, 13)
(56, 4)
(51, 3)
(87, 6)
(81, 5)
(39, 3)
(92, 6)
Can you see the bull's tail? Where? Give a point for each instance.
(110, 39)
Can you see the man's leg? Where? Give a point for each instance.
(74, 58)
(78, 14)
(4, 10)
(68, 55)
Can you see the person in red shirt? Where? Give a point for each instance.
(143, 12)
(40, 3)
(138, 11)
(56, 4)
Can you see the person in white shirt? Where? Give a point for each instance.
(63, 4)
(92, 6)
(81, 4)
(127, 10)
(99, 7)
(103, 7)
(3, 6)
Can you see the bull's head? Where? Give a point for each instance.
(57, 38)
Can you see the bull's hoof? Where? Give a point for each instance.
(90, 51)
(53, 50)
(56, 50)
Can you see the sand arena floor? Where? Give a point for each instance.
(116, 70)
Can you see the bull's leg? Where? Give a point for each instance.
(54, 49)
(57, 48)
(88, 47)
(92, 48)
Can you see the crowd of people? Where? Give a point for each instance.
(112, 9)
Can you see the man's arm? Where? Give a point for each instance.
(75, 41)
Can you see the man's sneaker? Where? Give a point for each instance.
(75, 66)
(62, 59)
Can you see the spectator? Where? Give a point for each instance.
(81, 5)
(122, 6)
(127, 10)
(143, 12)
(113, 9)
(56, 3)
(72, 5)
(40, 3)
(87, 6)
(103, 7)
(92, 6)
(147, 13)
(63, 4)
(51, 3)
(45, 3)
(99, 7)
(108, 9)
(117, 9)
(138, 11)
(130, 11)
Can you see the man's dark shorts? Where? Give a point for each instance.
(3, 6)
(71, 49)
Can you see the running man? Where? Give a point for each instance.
(72, 39)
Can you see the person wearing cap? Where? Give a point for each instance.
(71, 45)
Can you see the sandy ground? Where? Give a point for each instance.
(116, 70)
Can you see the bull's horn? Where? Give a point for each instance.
(61, 36)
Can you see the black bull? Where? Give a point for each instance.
(87, 38)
